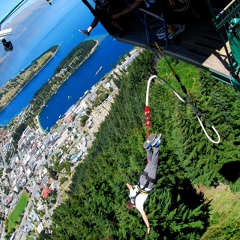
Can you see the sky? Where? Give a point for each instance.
(33, 33)
(7, 6)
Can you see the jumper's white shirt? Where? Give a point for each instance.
(140, 199)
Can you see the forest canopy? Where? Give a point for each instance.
(95, 208)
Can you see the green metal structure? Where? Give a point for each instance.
(228, 21)
(205, 46)
(12, 11)
(198, 46)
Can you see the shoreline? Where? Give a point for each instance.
(39, 125)
(31, 78)
(90, 53)
(132, 52)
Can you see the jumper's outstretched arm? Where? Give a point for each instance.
(144, 216)
(145, 219)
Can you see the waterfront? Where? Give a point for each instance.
(108, 52)
(82, 80)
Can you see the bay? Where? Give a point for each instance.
(83, 79)
(65, 32)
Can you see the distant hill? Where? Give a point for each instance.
(20, 23)
(22, 27)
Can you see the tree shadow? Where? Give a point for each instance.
(185, 194)
(189, 195)
(231, 171)
(188, 214)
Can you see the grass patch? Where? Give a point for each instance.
(29, 238)
(188, 74)
(225, 217)
(15, 216)
(65, 187)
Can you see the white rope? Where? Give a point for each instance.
(148, 86)
(197, 112)
(214, 129)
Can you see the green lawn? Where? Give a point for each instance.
(187, 73)
(15, 216)
(29, 238)
(224, 217)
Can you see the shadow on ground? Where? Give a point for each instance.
(187, 216)
(231, 171)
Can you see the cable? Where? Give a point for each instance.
(196, 111)
(148, 86)
(147, 109)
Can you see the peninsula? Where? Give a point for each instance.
(65, 68)
(15, 85)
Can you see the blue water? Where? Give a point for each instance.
(64, 31)
(83, 79)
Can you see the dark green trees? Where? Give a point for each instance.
(96, 209)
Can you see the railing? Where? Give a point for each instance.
(230, 11)
(222, 22)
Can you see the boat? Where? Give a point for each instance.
(98, 70)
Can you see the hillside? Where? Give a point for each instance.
(176, 208)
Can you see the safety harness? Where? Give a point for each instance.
(143, 189)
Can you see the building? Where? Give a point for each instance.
(46, 192)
